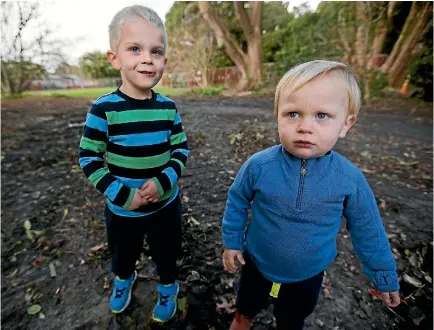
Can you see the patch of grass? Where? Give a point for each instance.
(13, 96)
(207, 91)
(94, 93)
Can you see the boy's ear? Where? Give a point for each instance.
(113, 59)
(351, 119)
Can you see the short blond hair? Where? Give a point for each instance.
(301, 74)
(131, 12)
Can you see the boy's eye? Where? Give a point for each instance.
(322, 115)
(157, 52)
(134, 49)
(293, 114)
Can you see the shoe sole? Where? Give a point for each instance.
(174, 311)
(129, 296)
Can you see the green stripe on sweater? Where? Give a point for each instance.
(122, 117)
(97, 175)
(178, 138)
(93, 145)
(138, 162)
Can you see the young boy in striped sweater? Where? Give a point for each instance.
(140, 134)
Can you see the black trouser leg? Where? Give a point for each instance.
(296, 301)
(253, 291)
(164, 237)
(125, 241)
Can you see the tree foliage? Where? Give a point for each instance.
(24, 59)
(95, 65)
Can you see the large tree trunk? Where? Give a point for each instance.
(400, 58)
(250, 63)
(381, 29)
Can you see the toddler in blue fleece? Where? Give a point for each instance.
(298, 192)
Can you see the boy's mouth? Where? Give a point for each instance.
(148, 73)
(303, 143)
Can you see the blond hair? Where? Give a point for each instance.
(130, 12)
(301, 74)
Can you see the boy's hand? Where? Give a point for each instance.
(391, 299)
(149, 191)
(229, 258)
(137, 201)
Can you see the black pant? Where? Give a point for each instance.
(163, 231)
(294, 303)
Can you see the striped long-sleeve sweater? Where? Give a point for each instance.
(140, 140)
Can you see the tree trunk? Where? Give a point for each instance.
(250, 64)
(399, 59)
(381, 29)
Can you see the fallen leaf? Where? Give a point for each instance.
(183, 307)
(34, 309)
(226, 306)
(97, 247)
(52, 269)
(327, 293)
(365, 170)
(382, 205)
(38, 261)
(193, 221)
(411, 280)
(65, 213)
(57, 292)
(402, 163)
(27, 225)
(106, 283)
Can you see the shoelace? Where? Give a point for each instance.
(164, 300)
(119, 293)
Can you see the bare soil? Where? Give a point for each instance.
(62, 264)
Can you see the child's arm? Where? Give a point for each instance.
(240, 196)
(179, 154)
(93, 146)
(370, 240)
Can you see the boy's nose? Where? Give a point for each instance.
(146, 58)
(305, 126)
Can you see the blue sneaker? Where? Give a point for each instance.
(121, 294)
(165, 308)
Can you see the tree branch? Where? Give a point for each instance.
(243, 18)
(232, 48)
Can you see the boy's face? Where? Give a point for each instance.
(312, 119)
(139, 57)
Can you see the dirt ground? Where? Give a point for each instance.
(53, 236)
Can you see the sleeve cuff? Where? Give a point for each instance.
(159, 187)
(386, 281)
(233, 241)
(130, 198)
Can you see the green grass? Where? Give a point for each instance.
(94, 93)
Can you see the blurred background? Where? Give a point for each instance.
(221, 45)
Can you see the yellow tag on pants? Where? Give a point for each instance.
(275, 290)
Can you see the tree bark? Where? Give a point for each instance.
(400, 58)
(250, 63)
(398, 68)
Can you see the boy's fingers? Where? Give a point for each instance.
(224, 264)
(232, 265)
(396, 300)
(141, 193)
(240, 258)
(385, 298)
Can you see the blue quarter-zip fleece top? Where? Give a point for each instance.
(297, 207)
